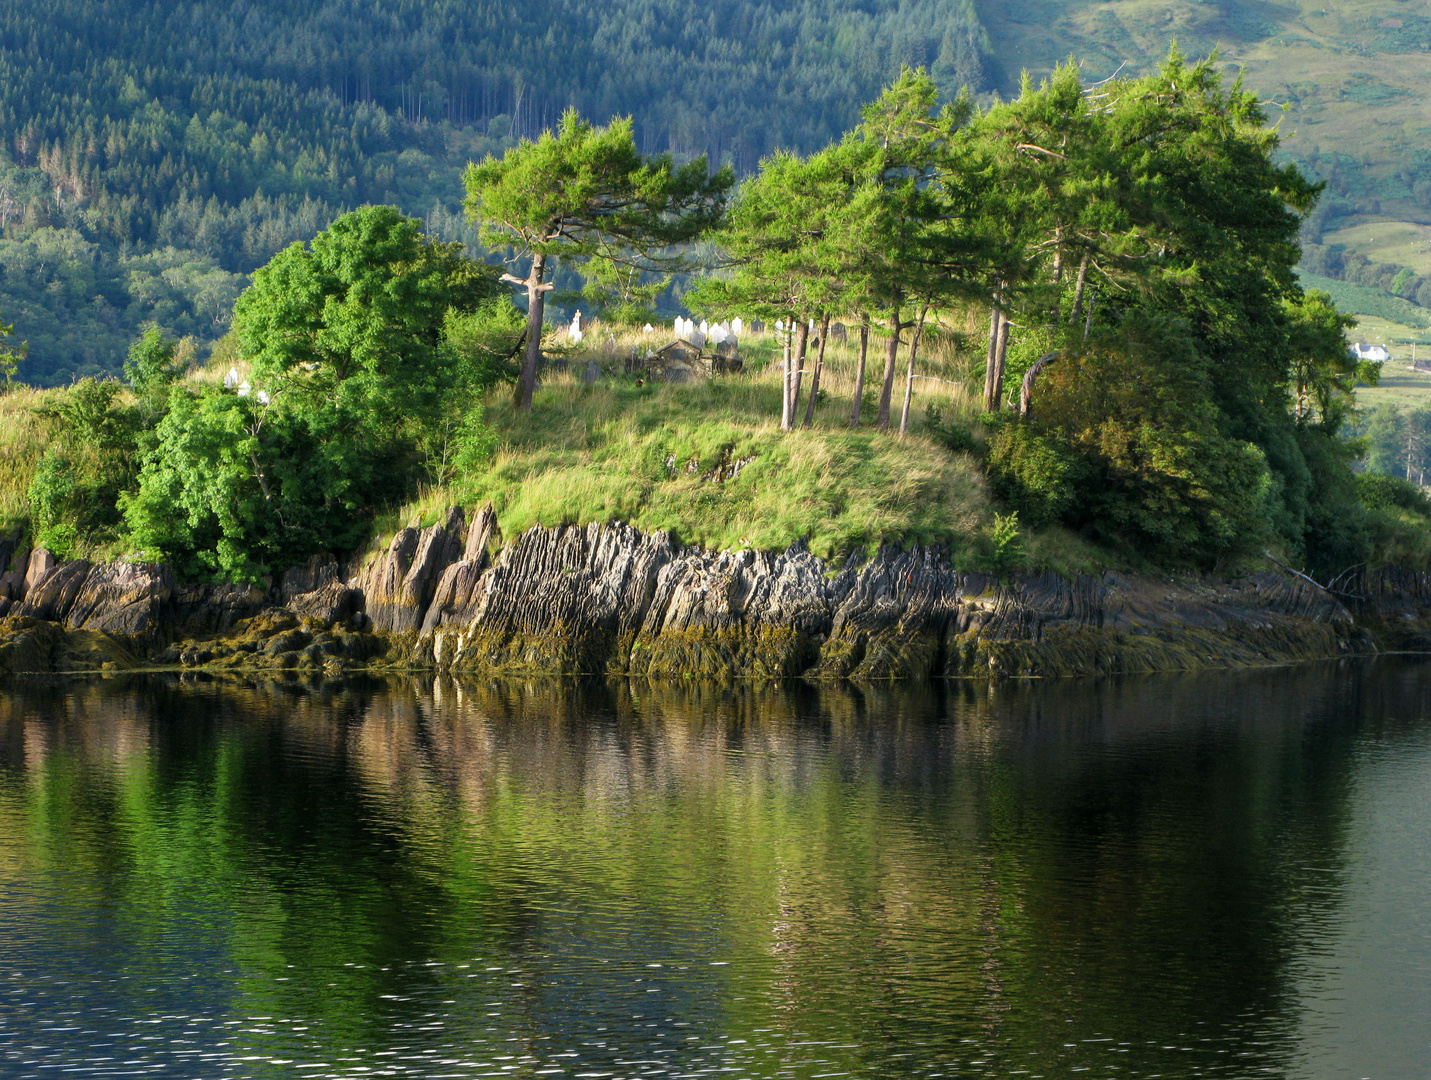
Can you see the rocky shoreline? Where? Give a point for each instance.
(612, 600)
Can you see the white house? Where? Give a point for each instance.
(1376, 353)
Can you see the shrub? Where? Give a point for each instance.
(1036, 474)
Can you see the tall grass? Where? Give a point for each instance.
(24, 436)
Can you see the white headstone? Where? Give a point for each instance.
(780, 326)
(736, 326)
(648, 329)
(244, 388)
(705, 329)
(263, 397)
(231, 379)
(718, 334)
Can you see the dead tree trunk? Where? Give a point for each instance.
(860, 370)
(819, 367)
(1030, 376)
(536, 310)
(802, 342)
(909, 375)
(891, 357)
(1078, 285)
(995, 318)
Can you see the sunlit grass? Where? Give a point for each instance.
(651, 454)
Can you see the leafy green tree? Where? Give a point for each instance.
(364, 347)
(583, 191)
(1324, 374)
(777, 238)
(352, 326)
(1127, 446)
(231, 492)
(152, 366)
(10, 355)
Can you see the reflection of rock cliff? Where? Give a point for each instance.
(612, 599)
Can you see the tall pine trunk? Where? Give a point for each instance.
(891, 357)
(996, 321)
(909, 375)
(787, 415)
(819, 367)
(802, 342)
(860, 370)
(999, 353)
(536, 311)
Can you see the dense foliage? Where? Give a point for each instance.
(363, 370)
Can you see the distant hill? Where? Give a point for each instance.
(153, 153)
(1354, 76)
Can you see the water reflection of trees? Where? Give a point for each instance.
(908, 866)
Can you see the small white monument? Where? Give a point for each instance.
(231, 379)
(736, 326)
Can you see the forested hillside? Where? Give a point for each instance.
(153, 154)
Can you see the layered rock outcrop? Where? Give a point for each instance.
(611, 599)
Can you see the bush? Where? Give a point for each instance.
(1036, 474)
(1124, 444)
(1008, 549)
(1381, 492)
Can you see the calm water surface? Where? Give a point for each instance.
(1217, 875)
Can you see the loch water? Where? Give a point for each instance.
(1219, 874)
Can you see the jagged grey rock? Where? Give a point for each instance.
(452, 597)
(40, 563)
(316, 573)
(123, 599)
(612, 598)
(53, 592)
(398, 585)
(332, 602)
